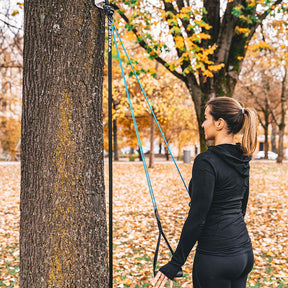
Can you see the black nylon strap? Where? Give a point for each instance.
(156, 254)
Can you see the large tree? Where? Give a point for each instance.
(210, 41)
(63, 239)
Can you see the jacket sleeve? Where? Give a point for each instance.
(245, 200)
(201, 189)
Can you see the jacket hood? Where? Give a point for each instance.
(233, 156)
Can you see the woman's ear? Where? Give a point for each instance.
(220, 123)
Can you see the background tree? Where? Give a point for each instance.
(10, 136)
(257, 89)
(63, 241)
(280, 62)
(280, 122)
(264, 78)
(208, 41)
(166, 95)
(123, 127)
(11, 48)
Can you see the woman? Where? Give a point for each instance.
(219, 191)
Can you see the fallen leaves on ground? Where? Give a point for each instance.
(9, 223)
(135, 228)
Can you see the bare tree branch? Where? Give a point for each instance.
(11, 66)
(274, 117)
(262, 17)
(10, 25)
(260, 120)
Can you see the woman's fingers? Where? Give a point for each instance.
(164, 280)
(156, 278)
(160, 280)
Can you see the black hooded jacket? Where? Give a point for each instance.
(219, 191)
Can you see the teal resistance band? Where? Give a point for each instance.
(136, 129)
(161, 232)
(150, 107)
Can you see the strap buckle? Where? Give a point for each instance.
(109, 10)
(100, 3)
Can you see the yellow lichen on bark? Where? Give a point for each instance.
(62, 260)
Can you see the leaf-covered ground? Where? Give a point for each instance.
(135, 230)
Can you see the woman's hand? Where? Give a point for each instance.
(160, 280)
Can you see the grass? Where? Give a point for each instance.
(10, 268)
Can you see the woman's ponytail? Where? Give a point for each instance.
(249, 130)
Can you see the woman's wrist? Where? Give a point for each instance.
(171, 270)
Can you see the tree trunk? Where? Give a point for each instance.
(199, 99)
(179, 152)
(152, 132)
(166, 153)
(266, 144)
(115, 146)
(282, 123)
(265, 124)
(196, 151)
(63, 237)
(280, 143)
(273, 138)
(139, 154)
(266, 127)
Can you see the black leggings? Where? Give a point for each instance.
(222, 272)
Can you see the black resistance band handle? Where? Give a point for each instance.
(161, 233)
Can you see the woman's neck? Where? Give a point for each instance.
(224, 139)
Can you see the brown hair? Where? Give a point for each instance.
(237, 118)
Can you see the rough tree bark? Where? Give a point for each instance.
(63, 237)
